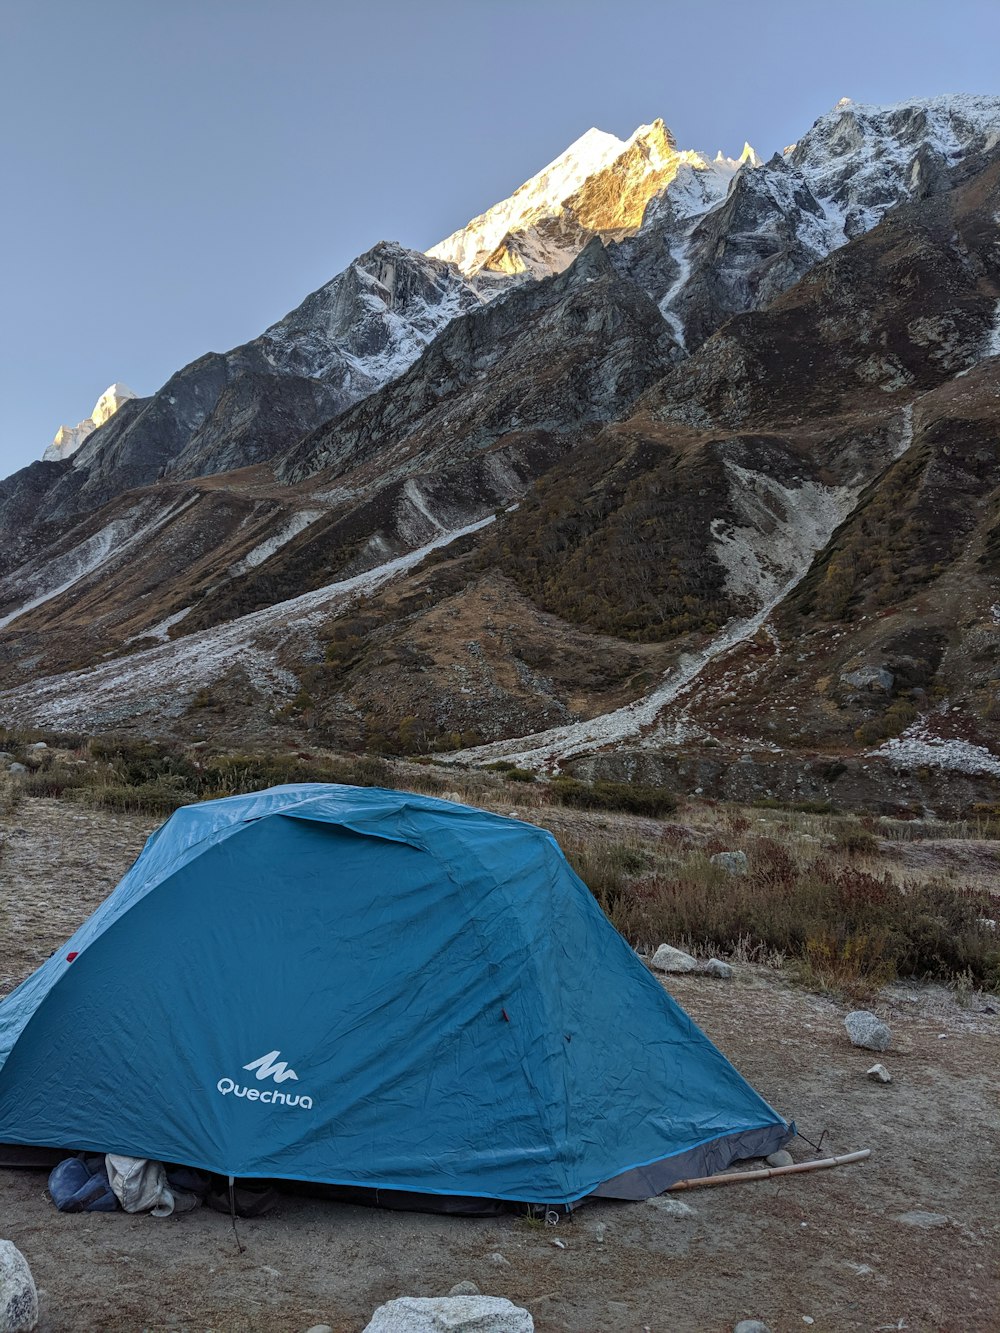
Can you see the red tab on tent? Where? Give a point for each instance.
(71, 956)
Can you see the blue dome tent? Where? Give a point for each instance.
(372, 989)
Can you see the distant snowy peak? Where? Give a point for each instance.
(600, 186)
(68, 439)
(861, 160)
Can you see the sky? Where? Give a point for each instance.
(178, 174)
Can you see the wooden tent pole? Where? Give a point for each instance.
(765, 1173)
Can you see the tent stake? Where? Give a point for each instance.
(765, 1173)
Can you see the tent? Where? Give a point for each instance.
(370, 989)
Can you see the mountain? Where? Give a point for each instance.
(69, 438)
(666, 467)
(599, 187)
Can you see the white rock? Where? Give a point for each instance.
(867, 1031)
(669, 959)
(926, 1221)
(663, 1203)
(320, 1328)
(751, 1326)
(879, 1074)
(780, 1158)
(735, 862)
(450, 1314)
(715, 967)
(464, 1288)
(18, 1297)
(17, 768)
(497, 1258)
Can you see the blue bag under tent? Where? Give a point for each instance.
(372, 990)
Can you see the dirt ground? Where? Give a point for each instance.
(830, 1248)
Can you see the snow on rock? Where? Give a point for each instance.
(543, 195)
(600, 185)
(918, 747)
(69, 438)
(161, 680)
(991, 347)
(43, 580)
(862, 160)
(296, 524)
(371, 322)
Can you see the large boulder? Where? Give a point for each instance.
(669, 959)
(867, 1031)
(450, 1314)
(18, 1297)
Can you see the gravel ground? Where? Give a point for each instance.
(827, 1246)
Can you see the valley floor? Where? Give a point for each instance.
(829, 1246)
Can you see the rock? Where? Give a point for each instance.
(39, 745)
(735, 862)
(600, 1231)
(464, 1288)
(669, 959)
(6, 757)
(780, 1158)
(497, 1258)
(18, 1297)
(867, 1031)
(751, 1326)
(715, 967)
(320, 1328)
(879, 1074)
(450, 1314)
(663, 1203)
(926, 1221)
(17, 768)
(878, 679)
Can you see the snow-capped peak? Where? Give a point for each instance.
(600, 186)
(68, 439)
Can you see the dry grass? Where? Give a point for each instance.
(848, 902)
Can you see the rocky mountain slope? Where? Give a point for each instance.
(660, 465)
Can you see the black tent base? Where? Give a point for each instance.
(405, 1201)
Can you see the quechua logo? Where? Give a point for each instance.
(266, 1067)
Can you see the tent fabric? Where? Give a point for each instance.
(369, 988)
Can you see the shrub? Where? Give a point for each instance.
(626, 796)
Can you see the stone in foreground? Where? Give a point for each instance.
(669, 959)
(751, 1326)
(18, 1297)
(780, 1158)
(879, 1074)
(450, 1314)
(867, 1031)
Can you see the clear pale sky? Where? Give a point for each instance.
(177, 174)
